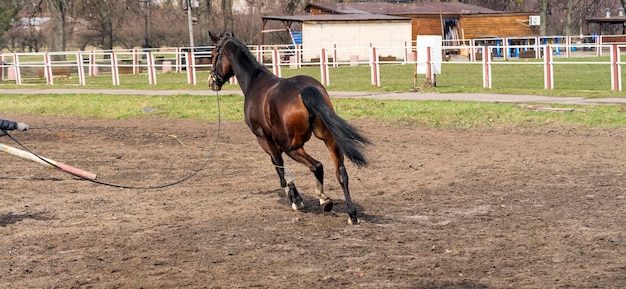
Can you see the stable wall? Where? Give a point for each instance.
(502, 26)
(355, 37)
(477, 26)
(426, 26)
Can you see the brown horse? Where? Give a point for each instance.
(284, 113)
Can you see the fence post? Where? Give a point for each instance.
(324, 67)
(16, 69)
(335, 55)
(537, 47)
(548, 71)
(505, 45)
(568, 43)
(191, 68)
(151, 69)
(47, 68)
(115, 73)
(259, 54)
(487, 67)
(430, 79)
(276, 62)
(406, 52)
(298, 55)
(599, 45)
(79, 68)
(93, 67)
(136, 61)
(179, 60)
(472, 51)
(616, 69)
(375, 66)
(1, 67)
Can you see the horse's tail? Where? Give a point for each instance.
(348, 138)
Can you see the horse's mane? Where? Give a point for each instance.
(244, 55)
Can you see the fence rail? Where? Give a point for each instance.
(46, 66)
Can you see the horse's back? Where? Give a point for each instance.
(289, 119)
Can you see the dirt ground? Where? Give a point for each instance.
(515, 207)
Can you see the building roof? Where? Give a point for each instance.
(334, 17)
(394, 8)
(610, 20)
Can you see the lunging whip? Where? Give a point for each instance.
(6, 125)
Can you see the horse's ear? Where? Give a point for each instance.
(226, 34)
(214, 37)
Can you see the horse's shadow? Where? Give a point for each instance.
(11, 218)
(312, 206)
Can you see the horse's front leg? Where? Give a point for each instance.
(325, 201)
(297, 202)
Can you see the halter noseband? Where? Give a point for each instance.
(217, 78)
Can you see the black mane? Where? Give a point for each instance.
(244, 56)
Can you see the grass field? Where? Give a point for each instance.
(419, 113)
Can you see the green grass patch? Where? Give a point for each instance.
(457, 114)
(124, 107)
(419, 113)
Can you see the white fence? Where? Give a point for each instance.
(16, 67)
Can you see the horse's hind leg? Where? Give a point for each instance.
(318, 170)
(297, 202)
(342, 177)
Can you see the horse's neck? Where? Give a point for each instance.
(246, 71)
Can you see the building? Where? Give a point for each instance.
(451, 20)
(365, 23)
(351, 34)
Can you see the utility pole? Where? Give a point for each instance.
(190, 23)
(147, 25)
(146, 17)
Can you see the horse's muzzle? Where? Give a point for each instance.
(213, 84)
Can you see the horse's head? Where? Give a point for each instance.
(221, 69)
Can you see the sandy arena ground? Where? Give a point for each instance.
(517, 207)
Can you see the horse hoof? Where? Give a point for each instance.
(327, 205)
(354, 221)
(298, 206)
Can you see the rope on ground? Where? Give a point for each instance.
(14, 126)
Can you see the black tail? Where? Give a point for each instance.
(347, 136)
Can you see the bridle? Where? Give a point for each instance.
(218, 79)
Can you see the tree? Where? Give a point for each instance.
(543, 13)
(8, 14)
(59, 10)
(293, 6)
(227, 13)
(109, 23)
(169, 27)
(204, 12)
